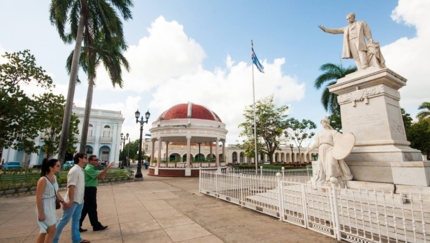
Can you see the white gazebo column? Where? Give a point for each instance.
(216, 153)
(210, 150)
(153, 155)
(152, 150)
(167, 151)
(223, 151)
(188, 151)
(159, 152)
(188, 167)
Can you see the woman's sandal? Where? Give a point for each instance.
(84, 241)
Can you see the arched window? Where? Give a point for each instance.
(106, 131)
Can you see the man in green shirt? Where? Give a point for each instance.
(92, 177)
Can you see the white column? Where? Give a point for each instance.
(152, 150)
(216, 152)
(167, 151)
(210, 150)
(159, 152)
(188, 151)
(223, 151)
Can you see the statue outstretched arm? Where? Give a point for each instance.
(331, 31)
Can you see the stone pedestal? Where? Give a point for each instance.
(369, 102)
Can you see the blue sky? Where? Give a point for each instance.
(199, 51)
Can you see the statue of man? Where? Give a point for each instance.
(354, 43)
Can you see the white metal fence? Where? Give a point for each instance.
(344, 214)
(299, 175)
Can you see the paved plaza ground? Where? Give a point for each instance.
(158, 210)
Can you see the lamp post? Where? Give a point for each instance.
(123, 139)
(128, 153)
(138, 175)
(292, 146)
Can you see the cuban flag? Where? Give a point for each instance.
(256, 62)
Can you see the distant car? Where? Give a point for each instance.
(11, 165)
(38, 166)
(68, 164)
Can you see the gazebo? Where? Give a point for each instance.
(187, 124)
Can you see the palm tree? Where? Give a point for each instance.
(108, 52)
(84, 16)
(332, 73)
(425, 106)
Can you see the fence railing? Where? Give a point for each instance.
(183, 164)
(344, 214)
(299, 175)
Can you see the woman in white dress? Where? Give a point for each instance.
(46, 193)
(328, 166)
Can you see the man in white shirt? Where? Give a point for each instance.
(74, 199)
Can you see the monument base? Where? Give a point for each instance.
(414, 173)
(370, 109)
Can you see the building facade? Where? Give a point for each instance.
(104, 138)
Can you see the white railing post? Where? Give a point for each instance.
(280, 197)
(283, 173)
(241, 189)
(304, 205)
(216, 184)
(261, 172)
(200, 180)
(334, 182)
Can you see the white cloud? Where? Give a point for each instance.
(228, 92)
(409, 57)
(171, 62)
(167, 52)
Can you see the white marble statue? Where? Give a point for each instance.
(328, 166)
(354, 44)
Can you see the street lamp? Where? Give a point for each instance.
(123, 139)
(292, 146)
(138, 175)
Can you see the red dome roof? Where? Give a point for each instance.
(189, 110)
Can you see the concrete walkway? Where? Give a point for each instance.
(158, 210)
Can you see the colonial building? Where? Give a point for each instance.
(103, 138)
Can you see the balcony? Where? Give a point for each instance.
(91, 139)
(105, 139)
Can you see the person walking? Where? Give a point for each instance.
(92, 177)
(74, 199)
(46, 194)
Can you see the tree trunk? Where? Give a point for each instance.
(71, 92)
(87, 113)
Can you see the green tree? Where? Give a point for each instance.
(407, 120)
(331, 73)
(270, 122)
(425, 113)
(336, 121)
(50, 122)
(109, 52)
(299, 131)
(84, 16)
(19, 123)
(419, 134)
(130, 150)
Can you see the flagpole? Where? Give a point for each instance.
(255, 126)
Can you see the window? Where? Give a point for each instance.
(106, 131)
